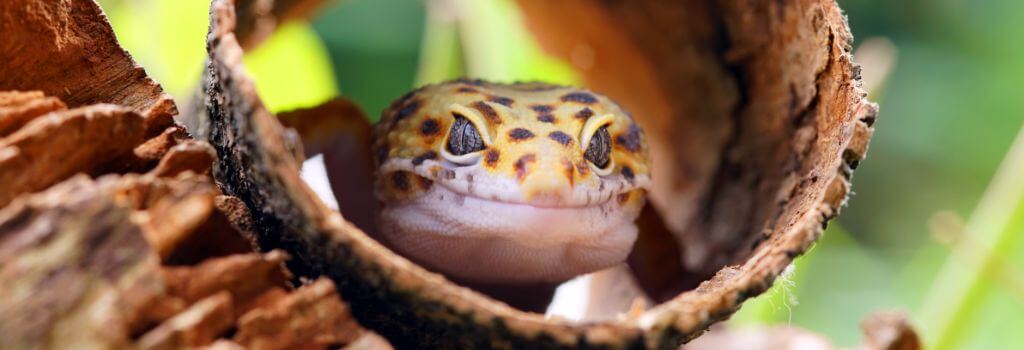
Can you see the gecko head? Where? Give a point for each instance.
(515, 183)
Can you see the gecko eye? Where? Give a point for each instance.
(464, 138)
(600, 148)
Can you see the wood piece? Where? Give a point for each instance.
(200, 324)
(67, 49)
(761, 103)
(311, 317)
(18, 108)
(237, 214)
(54, 147)
(148, 154)
(190, 156)
(74, 269)
(749, 108)
(80, 260)
(889, 330)
(245, 276)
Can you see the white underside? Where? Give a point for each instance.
(492, 241)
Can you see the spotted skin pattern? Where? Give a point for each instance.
(532, 165)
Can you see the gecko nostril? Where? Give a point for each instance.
(547, 184)
(522, 165)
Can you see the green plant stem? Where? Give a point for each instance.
(440, 52)
(958, 286)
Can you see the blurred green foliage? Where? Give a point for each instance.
(950, 110)
(374, 46)
(168, 38)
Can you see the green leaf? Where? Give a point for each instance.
(292, 69)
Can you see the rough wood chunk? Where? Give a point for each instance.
(74, 269)
(189, 156)
(68, 50)
(80, 260)
(148, 154)
(311, 317)
(245, 276)
(200, 324)
(53, 147)
(889, 330)
(18, 108)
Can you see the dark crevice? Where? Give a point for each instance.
(727, 171)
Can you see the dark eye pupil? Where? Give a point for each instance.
(463, 137)
(600, 148)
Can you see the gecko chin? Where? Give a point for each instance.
(492, 241)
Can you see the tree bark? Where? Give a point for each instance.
(112, 232)
(753, 108)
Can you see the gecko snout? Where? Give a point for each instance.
(546, 185)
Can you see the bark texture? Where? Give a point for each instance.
(152, 259)
(112, 232)
(753, 108)
(66, 49)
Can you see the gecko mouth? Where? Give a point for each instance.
(475, 182)
(489, 240)
(539, 202)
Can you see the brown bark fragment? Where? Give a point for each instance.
(148, 154)
(58, 145)
(237, 214)
(652, 260)
(172, 221)
(200, 324)
(68, 50)
(889, 331)
(80, 260)
(190, 156)
(245, 276)
(92, 283)
(18, 108)
(311, 317)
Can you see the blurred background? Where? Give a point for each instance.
(936, 223)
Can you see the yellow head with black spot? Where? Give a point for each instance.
(530, 182)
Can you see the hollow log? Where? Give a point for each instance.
(755, 116)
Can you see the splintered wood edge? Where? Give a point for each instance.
(375, 281)
(691, 313)
(412, 306)
(55, 146)
(67, 49)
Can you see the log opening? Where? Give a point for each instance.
(755, 106)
